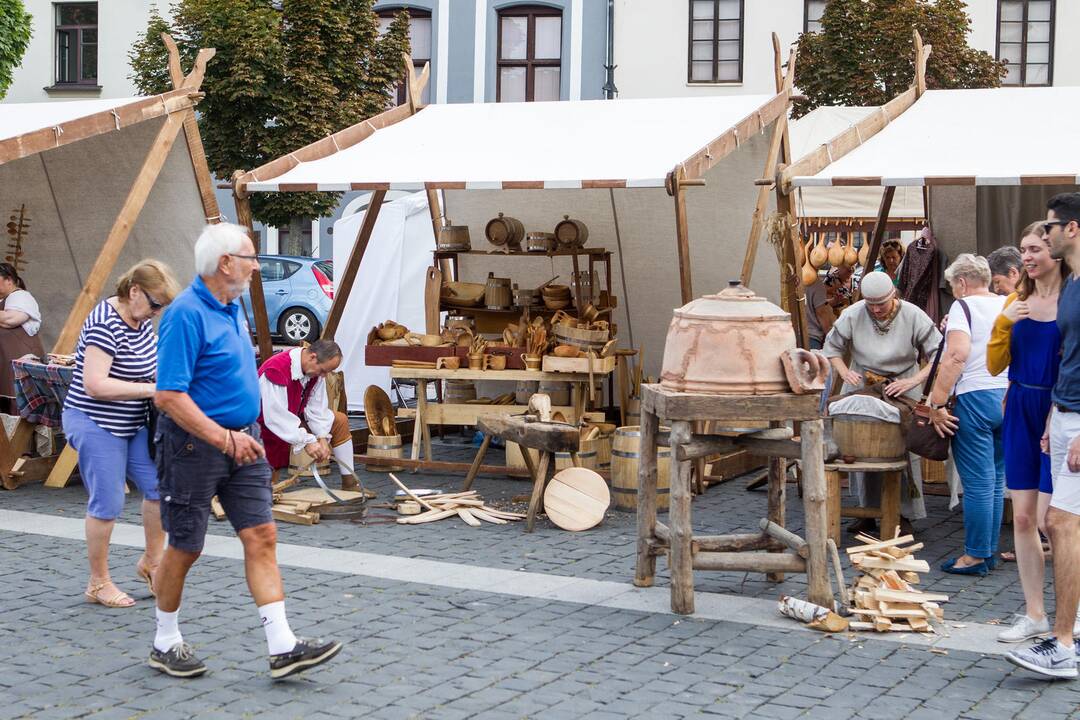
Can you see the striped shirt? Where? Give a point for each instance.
(134, 354)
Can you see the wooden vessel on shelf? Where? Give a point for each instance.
(625, 458)
(571, 233)
(505, 232)
(497, 293)
(454, 238)
(540, 242)
(578, 364)
(462, 294)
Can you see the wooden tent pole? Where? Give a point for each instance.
(677, 189)
(776, 148)
(242, 203)
(879, 227)
(348, 277)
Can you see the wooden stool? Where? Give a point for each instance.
(889, 511)
(548, 438)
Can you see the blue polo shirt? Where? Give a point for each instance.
(204, 350)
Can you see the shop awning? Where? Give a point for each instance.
(999, 136)
(551, 145)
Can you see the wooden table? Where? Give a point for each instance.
(687, 552)
(546, 437)
(888, 511)
(444, 413)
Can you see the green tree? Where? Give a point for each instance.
(286, 74)
(864, 53)
(15, 30)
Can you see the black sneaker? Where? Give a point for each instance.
(306, 654)
(179, 661)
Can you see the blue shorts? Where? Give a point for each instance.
(193, 471)
(1026, 466)
(105, 460)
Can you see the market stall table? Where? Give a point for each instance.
(687, 552)
(40, 391)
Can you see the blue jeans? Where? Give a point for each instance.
(980, 461)
(105, 460)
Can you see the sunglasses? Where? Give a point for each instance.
(1049, 224)
(154, 304)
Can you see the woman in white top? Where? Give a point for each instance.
(977, 444)
(20, 320)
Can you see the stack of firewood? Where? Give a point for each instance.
(883, 597)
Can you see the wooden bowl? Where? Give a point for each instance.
(566, 351)
(556, 304)
(377, 407)
(556, 291)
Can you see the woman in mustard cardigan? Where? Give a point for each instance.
(1025, 339)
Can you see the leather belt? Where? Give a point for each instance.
(1062, 409)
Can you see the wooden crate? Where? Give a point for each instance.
(578, 364)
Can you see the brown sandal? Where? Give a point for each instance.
(93, 594)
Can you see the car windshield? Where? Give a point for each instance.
(326, 267)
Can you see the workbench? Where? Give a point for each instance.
(444, 413)
(733, 552)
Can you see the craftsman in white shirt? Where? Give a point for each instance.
(295, 411)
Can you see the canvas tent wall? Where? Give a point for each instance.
(72, 165)
(990, 159)
(392, 276)
(541, 161)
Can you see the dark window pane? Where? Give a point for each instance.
(77, 14)
(89, 62)
(65, 58)
(89, 35)
(326, 267)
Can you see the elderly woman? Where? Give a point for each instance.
(1026, 342)
(105, 419)
(892, 254)
(20, 321)
(885, 336)
(977, 445)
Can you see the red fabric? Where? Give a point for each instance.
(278, 370)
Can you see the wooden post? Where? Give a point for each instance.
(438, 220)
(816, 514)
(792, 292)
(778, 150)
(682, 232)
(646, 499)
(890, 504)
(536, 500)
(681, 558)
(777, 491)
(118, 235)
(832, 485)
(880, 224)
(344, 286)
(242, 203)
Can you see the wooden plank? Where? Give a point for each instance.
(903, 540)
(286, 514)
(727, 142)
(735, 542)
(681, 557)
(11, 450)
(914, 596)
(95, 282)
(878, 234)
(343, 286)
(645, 569)
(577, 366)
(686, 406)
(682, 236)
(899, 564)
(750, 562)
(62, 469)
(500, 375)
(815, 513)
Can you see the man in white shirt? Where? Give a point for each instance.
(296, 414)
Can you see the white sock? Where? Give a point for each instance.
(343, 453)
(168, 630)
(279, 637)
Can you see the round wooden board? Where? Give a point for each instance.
(576, 498)
(376, 407)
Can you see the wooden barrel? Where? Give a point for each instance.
(625, 455)
(571, 233)
(524, 390)
(603, 453)
(497, 293)
(459, 391)
(300, 464)
(385, 446)
(868, 439)
(633, 411)
(558, 391)
(587, 455)
(504, 230)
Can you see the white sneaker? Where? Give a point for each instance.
(1049, 658)
(1024, 628)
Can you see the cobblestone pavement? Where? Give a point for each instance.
(606, 552)
(416, 651)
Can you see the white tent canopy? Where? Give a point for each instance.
(817, 128)
(998, 136)
(392, 275)
(72, 164)
(490, 146)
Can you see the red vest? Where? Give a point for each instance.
(278, 370)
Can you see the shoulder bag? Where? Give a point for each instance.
(920, 437)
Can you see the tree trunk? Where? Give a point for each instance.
(294, 242)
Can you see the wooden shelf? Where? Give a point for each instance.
(523, 253)
(507, 375)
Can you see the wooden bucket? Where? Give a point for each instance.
(504, 230)
(385, 446)
(603, 453)
(300, 464)
(497, 293)
(586, 339)
(558, 391)
(459, 391)
(454, 237)
(625, 456)
(587, 455)
(540, 242)
(571, 233)
(524, 390)
(868, 439)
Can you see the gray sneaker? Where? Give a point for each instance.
(179, 661)
(1024, 628)
(1048, 658)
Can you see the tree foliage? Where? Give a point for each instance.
(286, 73)
(865, 51)
(15, 30)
